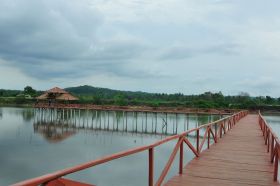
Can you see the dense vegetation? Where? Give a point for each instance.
(104, 96)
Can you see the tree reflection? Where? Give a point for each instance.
(1, 113)
(27, 114)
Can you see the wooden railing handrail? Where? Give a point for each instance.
(224, 125)
(272, 142)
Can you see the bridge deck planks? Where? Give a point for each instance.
(239, 158)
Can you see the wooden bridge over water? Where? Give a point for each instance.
(246, 155)
(240, 158)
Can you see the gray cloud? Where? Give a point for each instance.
(262, 85)
(119, 43)
(58, 39)
(184, 52)
(46, 29)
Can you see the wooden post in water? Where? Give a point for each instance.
(113, 120)
(96, 119)
(146, 122)
(63, 115)
(87, 117)
(176, 123)
(197, 122)
(166, 123)
(108, 120)
(126, 121)
(92, 114)
(133, 121)
(79, 116)
(173, 132)
(117, 118)
(136, 113)
(100, 115)
(152, 122)
(104, 120)
(188, 119)
(156, 124)
(142, 118)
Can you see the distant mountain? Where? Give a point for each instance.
(87, 90)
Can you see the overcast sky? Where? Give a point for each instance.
(187, 46)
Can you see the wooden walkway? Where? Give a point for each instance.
(240, 158)
(170, 110)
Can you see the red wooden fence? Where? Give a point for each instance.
(272, 142)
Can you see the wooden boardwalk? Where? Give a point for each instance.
(240, 158)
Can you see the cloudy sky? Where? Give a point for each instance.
(187, 46)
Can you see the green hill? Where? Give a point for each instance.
(87, 90)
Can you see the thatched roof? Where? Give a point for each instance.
(56, 90)
(57, 94)
(43, 96)
(67, 96)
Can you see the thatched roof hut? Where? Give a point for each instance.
(57, 94)
(66, 96)
(57, 90)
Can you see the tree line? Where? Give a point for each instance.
(104, 96)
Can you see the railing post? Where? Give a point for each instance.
(216, 132)
(208, 140)
(268, 140)
(275, 174)
(151, 166)
(272, 149)
(181, 161)
(197, 141)
(263, 129)
(221, 130)
(224, 127)
(265, 136)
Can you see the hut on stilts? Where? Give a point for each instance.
(57, 95)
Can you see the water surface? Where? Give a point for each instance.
(274, 122)
(32, 145)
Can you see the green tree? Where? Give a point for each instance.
(96, 99)
(269, 100)
(28, 90)
(119, 99)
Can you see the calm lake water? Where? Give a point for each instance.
(274, 122)
(32, 144)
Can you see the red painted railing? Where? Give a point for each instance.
(272, 142)
(215, 129)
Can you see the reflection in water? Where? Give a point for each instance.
(27, 114)
(53, 133)
(1, 113)
(56, 125)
